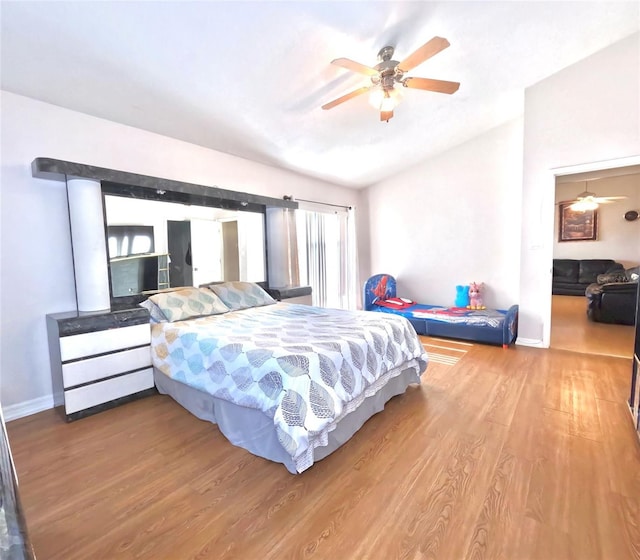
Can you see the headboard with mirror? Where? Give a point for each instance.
(157, 240)
(171, 228)
(156, 244)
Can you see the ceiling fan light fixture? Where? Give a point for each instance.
(587, 200)
(384, 99)
(385, 75)
(584, 205)
(388, 103)
(375, 97)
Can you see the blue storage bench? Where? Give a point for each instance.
(493, 326)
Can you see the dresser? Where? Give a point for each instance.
(100, 360)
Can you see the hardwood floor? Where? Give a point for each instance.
(517, 454)
(572, 330)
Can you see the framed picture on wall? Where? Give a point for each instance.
(577, 225)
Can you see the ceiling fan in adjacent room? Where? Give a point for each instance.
(587, 200)
(387, 73)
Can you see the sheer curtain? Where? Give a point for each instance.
(327, 256)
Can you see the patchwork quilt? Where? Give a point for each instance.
(300, 365)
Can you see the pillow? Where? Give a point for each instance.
(394, 303)
(241, 295)
(156, 314)
(633, 274)
(612, 277)
(187, 303)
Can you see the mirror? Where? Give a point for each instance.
(155, 244)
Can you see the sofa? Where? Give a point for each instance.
(613, 298)
(571, 277)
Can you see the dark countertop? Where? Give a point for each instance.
(74, 322)
(59, 170)
(289, 292)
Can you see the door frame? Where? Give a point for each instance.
(550, 211)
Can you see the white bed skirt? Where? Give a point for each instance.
(254, 431)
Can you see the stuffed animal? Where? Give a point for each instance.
(462, 296)
(475, 299)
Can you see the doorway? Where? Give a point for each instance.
(616, 239)
(179, 246)
(195, 250)
(230, 255)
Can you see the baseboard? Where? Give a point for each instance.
(533, 342)
(26, 408)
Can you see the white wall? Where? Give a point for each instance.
(452, 220)
(589, 112)
(617, 238)
(36, 266)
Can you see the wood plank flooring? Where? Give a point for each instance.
(517, 454)
(572, 330)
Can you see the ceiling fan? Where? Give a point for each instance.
(387, 73)
(587, 200)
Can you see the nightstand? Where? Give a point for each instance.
(100, 360)
(299, 294)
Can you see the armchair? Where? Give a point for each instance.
(612, 303)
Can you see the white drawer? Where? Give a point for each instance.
(89, 344)
(105, 391)
(84, 371)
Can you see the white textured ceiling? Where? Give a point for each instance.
(248, 78)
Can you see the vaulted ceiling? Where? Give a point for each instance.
(249, 78)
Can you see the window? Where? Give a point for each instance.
(326, 253)
(130, 240)
(141, 244)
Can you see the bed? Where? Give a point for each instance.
(287, 382)
(492, 326)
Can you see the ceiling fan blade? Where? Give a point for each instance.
(589, 197)
(426, 51)
(355, 66)
(566, 202)
(441, 86)
(386, 115)
(345, 97)
(592, 196)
